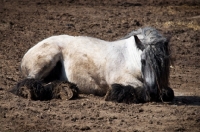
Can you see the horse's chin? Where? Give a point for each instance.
(167, 94)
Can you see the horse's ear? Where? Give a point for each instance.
(139, 43)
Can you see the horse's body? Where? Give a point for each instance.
(91, 63)
(97, 66)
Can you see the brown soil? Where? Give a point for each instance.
(23, 23)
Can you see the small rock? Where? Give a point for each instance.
(150, 122)
(83, 128)
(100, 118)
(141, 110)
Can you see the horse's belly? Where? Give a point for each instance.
(87, 74)
(88, 83)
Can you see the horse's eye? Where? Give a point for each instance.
(143, 61)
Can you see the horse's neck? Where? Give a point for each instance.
(134, 54)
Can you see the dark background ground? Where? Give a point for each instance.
(23, 23)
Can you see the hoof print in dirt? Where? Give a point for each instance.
(36, 90)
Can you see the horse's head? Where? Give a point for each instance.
(155, 63)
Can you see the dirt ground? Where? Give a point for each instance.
(23, 23)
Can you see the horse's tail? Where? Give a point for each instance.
(37, 90)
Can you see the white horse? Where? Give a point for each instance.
(99, 67)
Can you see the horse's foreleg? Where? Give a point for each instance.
(143, 95)
(128, 94)
(121, 94)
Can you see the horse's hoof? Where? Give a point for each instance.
(68, 91)
(24, 92)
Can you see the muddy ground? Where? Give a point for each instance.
(23, 23)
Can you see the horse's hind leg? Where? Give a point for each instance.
(36, 90)
(40, 60)
(21, 89)
(31, 89)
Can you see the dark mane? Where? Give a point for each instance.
(139, 31)
(155, 65)
(159, 58)
(149, 35)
